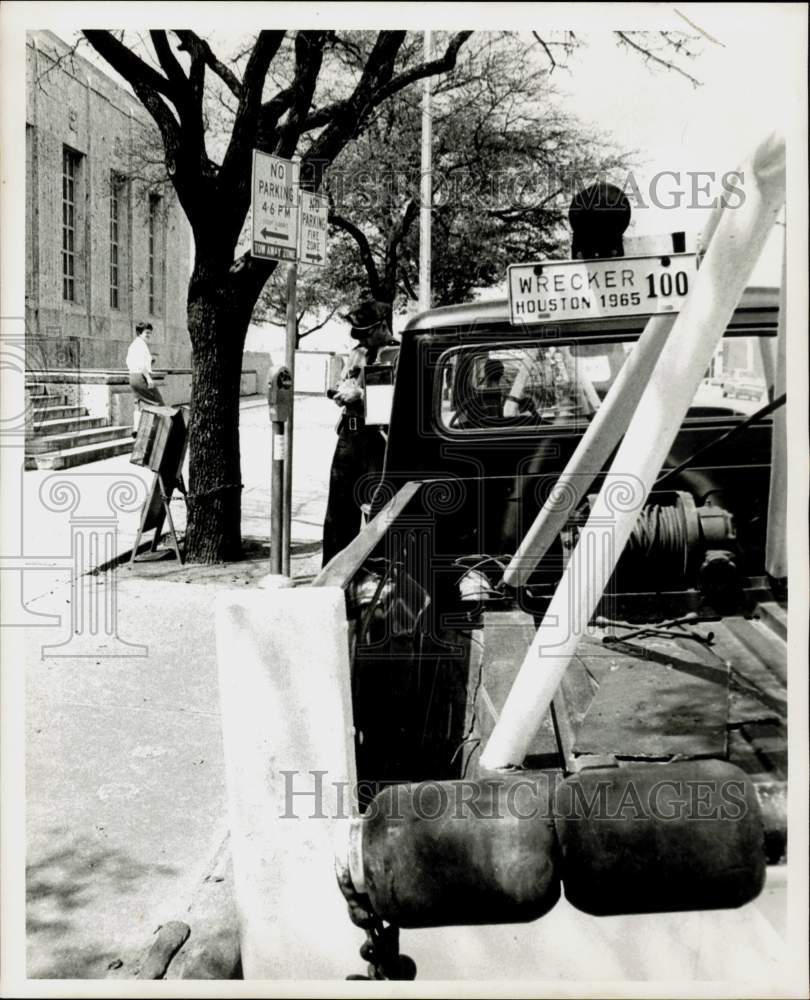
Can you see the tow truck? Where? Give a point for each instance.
(506, 741)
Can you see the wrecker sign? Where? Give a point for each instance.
(590, 289)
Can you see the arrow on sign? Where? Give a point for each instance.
(269, 232)
(313, 256)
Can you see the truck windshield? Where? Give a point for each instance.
(563, 385)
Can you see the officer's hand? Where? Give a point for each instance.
(348, 392)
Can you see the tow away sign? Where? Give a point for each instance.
(313, 230)
(274, 202)
(590, 289)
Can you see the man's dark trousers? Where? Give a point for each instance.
(356, 469)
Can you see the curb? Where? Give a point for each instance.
(122, 557)
(204, 942)
(212, 948)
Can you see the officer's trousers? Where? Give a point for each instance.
(356, 468)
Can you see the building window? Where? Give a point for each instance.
(155, 255)
(70, 175)
(115, 242)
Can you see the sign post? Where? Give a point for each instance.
(287, 225)
(274, 236)
(292, 337)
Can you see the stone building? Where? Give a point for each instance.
(107, 243)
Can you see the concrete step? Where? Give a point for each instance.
(68, 457)
(59, 412)
(51, 399)
(75, 439)
(65, 424)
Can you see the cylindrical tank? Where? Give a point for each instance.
(653, 838)
(461, 852)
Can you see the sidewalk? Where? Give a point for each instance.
(124, 775)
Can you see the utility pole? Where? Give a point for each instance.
(426, 188)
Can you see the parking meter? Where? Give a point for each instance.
(280, 393)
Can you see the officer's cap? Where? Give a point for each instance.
(366, 314)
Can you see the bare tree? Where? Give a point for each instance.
(309, 110)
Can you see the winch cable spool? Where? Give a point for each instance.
(661, 533)
(675, 540)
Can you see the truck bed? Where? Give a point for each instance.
(651, 698)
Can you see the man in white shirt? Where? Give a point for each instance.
(139, 365)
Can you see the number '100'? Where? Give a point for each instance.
(662, 284)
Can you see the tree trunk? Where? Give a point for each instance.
(217, 326)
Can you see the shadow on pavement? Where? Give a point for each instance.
(58, 888)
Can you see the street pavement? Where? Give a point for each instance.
(124, 783)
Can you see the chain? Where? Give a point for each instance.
(381, 947)
(214, 490)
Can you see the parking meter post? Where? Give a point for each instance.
(279, 399)
(292, 336)
(277, 498)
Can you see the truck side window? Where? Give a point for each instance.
(527, 387)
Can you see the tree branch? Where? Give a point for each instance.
(148, 84)
(624, 37)
(129, 65)
(318, 326)
(400, 230)
(308, 58)
(361, 240)
(547, 50)
(329, 113)
(444, 64)
(234, 177)
(262, 54)
(168, 61)
(407, 286)
(191, 42)
(380, 62)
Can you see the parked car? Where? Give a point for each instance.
(744, 385)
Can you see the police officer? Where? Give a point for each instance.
(360, 450)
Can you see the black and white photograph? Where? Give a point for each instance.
(404, 552)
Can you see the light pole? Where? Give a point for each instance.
(426, 189)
